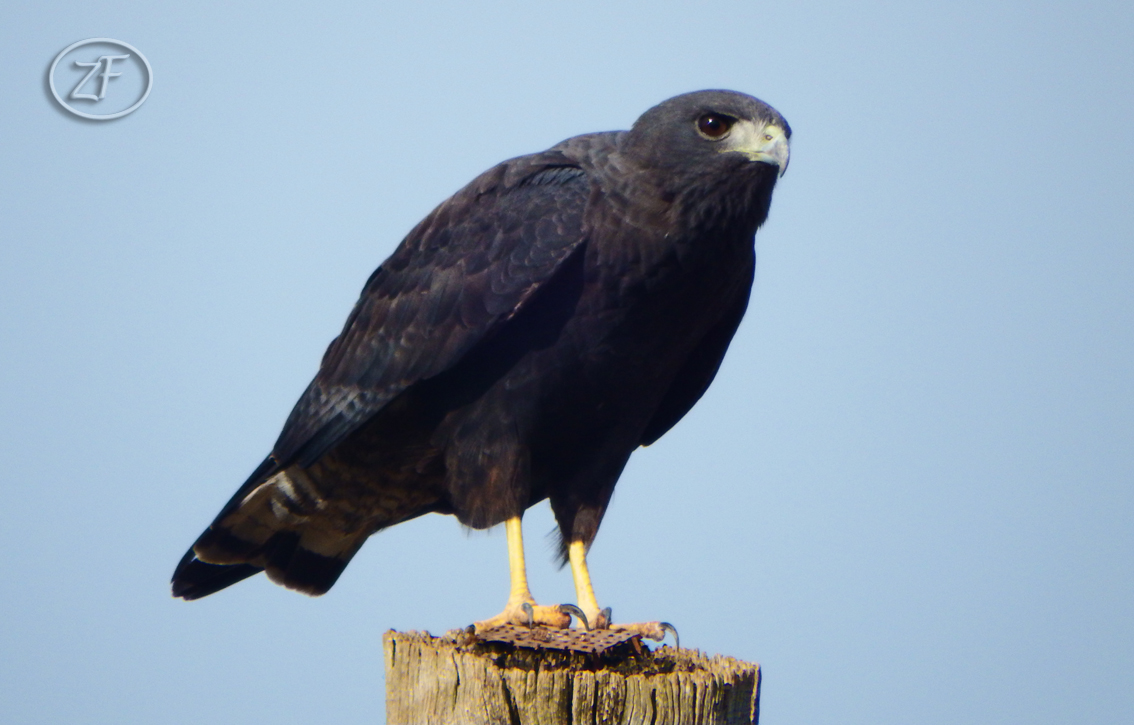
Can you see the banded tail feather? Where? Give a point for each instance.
(194, 578)
(273, 524)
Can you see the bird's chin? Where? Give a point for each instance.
(772, 163)
(775, 164)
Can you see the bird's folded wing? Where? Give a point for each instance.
(464, 270)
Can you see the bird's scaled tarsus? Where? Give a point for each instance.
(594, 618)
(521, 607)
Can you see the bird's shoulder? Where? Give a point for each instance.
(466, 268)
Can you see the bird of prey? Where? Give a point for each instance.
(563, 309)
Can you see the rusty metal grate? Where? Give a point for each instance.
(574, 640)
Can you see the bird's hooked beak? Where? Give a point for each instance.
(766, 144)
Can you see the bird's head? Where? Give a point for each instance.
(705, 131)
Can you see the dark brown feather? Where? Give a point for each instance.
(523, 340)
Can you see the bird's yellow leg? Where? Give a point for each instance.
(519, 595)
(585, 598)
(584, 592)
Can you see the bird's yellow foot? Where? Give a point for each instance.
(588, 613)
(527, 613)
(649, 630)
(521, 608)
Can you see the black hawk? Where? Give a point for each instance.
(524, 339)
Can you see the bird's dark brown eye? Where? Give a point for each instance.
(714, 125)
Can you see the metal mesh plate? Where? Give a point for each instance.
(574, 640)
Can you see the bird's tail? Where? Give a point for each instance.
(272, 524)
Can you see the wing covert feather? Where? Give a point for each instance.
(465, 269)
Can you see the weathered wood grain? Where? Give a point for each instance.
(457, 680)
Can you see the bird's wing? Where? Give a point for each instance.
(700, 368)
(464, 270)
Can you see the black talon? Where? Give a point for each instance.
(577, 613)
(667, 627)
(530, 614)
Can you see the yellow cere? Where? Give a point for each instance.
(768, 143)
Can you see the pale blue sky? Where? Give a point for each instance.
(909, 494)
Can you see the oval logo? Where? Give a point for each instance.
(100, 78)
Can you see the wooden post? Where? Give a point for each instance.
(547, 677)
